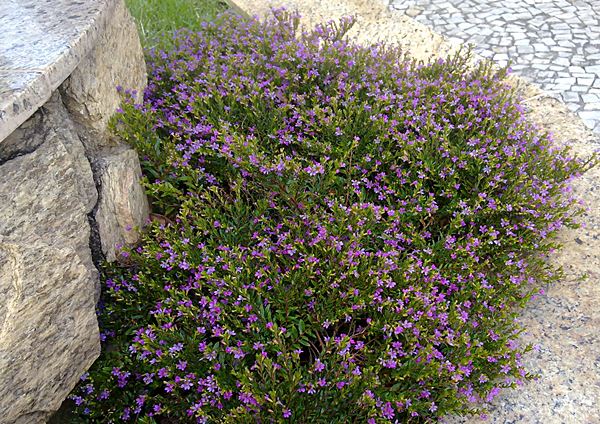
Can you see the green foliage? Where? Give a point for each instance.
(348, 236)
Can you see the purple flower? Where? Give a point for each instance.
(338, 221)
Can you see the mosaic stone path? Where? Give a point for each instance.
(553, 43)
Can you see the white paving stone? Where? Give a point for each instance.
(554, 43)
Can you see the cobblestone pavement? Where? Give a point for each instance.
(553, 43)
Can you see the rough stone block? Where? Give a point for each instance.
(90, 92)
(48, 284)
(123, 207)
(49, 200)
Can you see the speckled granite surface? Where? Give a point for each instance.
(41, 42)
(68, 191)
(565, 322)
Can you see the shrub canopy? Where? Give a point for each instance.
(346, 235)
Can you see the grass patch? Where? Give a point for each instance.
(158, 19)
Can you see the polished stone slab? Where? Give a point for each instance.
(20, 95)
(41, 43)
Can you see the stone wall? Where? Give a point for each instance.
(69, 194)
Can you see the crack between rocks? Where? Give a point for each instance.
(98, 256)
(95, 242)
(10, 151)
(18, 154)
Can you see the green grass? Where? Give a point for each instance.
(157, 19)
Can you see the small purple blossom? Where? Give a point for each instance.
(332, 221)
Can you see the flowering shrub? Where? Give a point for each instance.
(347, 236)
